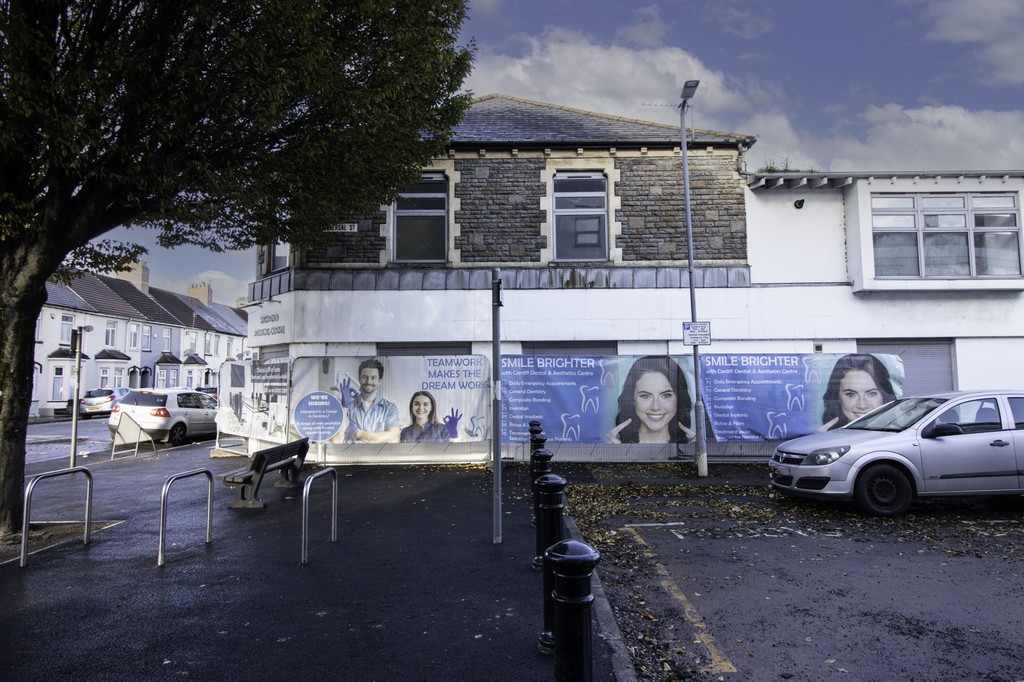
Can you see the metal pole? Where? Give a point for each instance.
(702, 444)
(74, 404)
(496, 400)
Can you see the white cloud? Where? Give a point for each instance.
(932, 138)
(567, 67)
(995, 26)
(648, 29)
(563, 66)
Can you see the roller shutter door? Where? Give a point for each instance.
(927, 365)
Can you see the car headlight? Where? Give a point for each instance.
(827, 455)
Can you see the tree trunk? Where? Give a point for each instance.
(21, 301)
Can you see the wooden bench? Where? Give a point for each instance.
(286, 458)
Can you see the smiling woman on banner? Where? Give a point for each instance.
(654, 405)
(859, 383)
(425, 427)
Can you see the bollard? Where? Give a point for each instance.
(572, 564)
(550, 528)
(536, 431)
(540, 464)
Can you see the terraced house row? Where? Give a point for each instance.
(133, 335)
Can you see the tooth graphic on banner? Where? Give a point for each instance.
(589, 398)
(607, 376)
(474, 429)
(776, 431)
(570, 432)
(795, 397)
(811, 373)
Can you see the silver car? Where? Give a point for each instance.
(172, 414)
(99, 401)
(958, 443)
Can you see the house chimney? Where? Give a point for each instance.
(138, 274)
(202, 291)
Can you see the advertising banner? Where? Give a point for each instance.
(650, 399)
(753, 397)
(397, 399)
(598, 399)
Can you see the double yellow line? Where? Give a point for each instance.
(717, 661)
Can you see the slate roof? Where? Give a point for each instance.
(500, 120)
(63, 296)
(145, 304)
(168, 359)
(115, 297)
(111, 354)
(101, 297)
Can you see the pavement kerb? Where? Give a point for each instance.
(622, 662)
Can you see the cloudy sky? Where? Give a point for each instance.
(827, 85)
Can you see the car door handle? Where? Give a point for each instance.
(999, 443)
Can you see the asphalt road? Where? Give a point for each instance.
(736, 583)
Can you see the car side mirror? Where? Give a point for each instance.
(940, 430)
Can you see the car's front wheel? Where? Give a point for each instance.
(177, 435)
(883, 490)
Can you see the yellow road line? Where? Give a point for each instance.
(718, 662)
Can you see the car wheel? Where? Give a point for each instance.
(177, 435)
(883, 490)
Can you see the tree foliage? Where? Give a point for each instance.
(223, 123)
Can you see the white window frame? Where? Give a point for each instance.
(110, 337)
(167, 340)
(923, 219)
(278, 256)
(67, 323)
(133, 336)
(104, 377)
(118, 376)
(57, 383)
(147, 336)
(416, 204)
(574, 209)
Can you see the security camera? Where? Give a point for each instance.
(799, 203)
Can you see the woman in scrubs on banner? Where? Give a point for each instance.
(654, 405)
(425, 427)
(859, 383)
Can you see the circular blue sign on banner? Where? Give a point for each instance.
(318, 416)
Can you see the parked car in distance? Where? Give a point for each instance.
(99, 401)
(953, 444)
(172, 414)
(210, 390)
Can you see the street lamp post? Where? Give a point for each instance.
(77, 336)
(689, 88)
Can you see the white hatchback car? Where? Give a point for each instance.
(171, 414)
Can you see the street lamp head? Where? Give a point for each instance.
(689, 88)
(87, 328)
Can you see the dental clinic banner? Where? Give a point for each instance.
(650, 399)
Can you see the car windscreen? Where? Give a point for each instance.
(144, 399)
(98, 393)
(897, 415)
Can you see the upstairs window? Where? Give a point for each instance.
(110, 338)
(279, 256)
(421, 221)
(67, 322)
(147, 335)
(946, 235)
(581, 215)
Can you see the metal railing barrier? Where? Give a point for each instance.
(163, 507)
(305, 509)
(26, 520)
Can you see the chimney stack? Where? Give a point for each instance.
(202, 291)
(137, 274)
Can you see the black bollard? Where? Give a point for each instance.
(572, 564)
(550, 530)
(540, 464)
(535, 431)
(551, 502)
